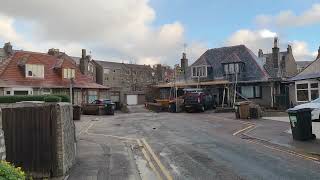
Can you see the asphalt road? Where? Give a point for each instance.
(188, 145)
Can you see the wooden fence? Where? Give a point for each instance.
(30, 136)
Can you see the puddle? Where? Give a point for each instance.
(145, 172)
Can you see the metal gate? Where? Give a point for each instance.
(30, 137)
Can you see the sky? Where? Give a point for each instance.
(155, 31)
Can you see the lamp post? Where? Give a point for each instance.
(70, 90)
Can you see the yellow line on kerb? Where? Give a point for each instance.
(149, 160)
(293, 153)
(163, 169)
(244, 129)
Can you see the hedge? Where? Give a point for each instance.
(47, 98)
(64, 98)
(52, 99)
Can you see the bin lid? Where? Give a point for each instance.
(294, 110)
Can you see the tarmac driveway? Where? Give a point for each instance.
(180, 146)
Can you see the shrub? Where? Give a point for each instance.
(14, 99)
(52, 99)
(64, 98)
(8, 171)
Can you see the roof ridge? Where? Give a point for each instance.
(4, 65)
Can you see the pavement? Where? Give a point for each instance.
(315, 125)
(146, 145)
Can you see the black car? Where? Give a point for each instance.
(198, 101)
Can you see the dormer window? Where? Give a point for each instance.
(34, 70)
(199, 71)
(232, 68)
(68, 73)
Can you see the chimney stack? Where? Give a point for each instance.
(53, 52)
(318, 57)
(84, 53)
(84, 62)
(8, 48)
(184, 62)
(260, 53)
(289, 49)
(275, 53)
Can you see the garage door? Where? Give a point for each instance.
(132, 99)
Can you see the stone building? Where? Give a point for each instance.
(280, 66)
(163, 73)
(128, 82)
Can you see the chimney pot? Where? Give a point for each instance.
(84, 53)
(260, 53)
(275, 42)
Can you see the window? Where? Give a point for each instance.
(302, 92)
(90, 68)
(251, 91)
(314, 91)
(35, 70)
(199, 71)
(8, 92)
(231, 68)
(307, 91)
(247, 91)
(106, 71)
(68, 73)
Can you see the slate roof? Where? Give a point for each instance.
(215, 58)
(303, 64)
(13, 75)
(315, 75)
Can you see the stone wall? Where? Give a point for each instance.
(66, 140)
(2, 144)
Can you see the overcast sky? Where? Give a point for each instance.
(154, 31)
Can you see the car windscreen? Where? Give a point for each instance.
(316, 100)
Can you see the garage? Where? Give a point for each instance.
(132, 99)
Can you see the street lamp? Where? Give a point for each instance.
(70, 89)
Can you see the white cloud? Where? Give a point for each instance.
(113, 29)
(288, 18)
(263, 39)
(254, 40)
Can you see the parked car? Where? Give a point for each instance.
(108, 104)
(198, 101)
(315, 105)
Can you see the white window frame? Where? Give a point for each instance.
(12, 90)
(309, 82)
(36, 69)
(69, 73)
(201, 71)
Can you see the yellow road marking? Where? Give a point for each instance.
(288, 151)
(244, 129)
(149, 160)
(163, 169)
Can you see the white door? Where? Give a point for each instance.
(132, 99)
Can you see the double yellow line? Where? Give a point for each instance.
(252, 126)
(146, 150)
(158, 168)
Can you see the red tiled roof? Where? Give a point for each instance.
(13, 74)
